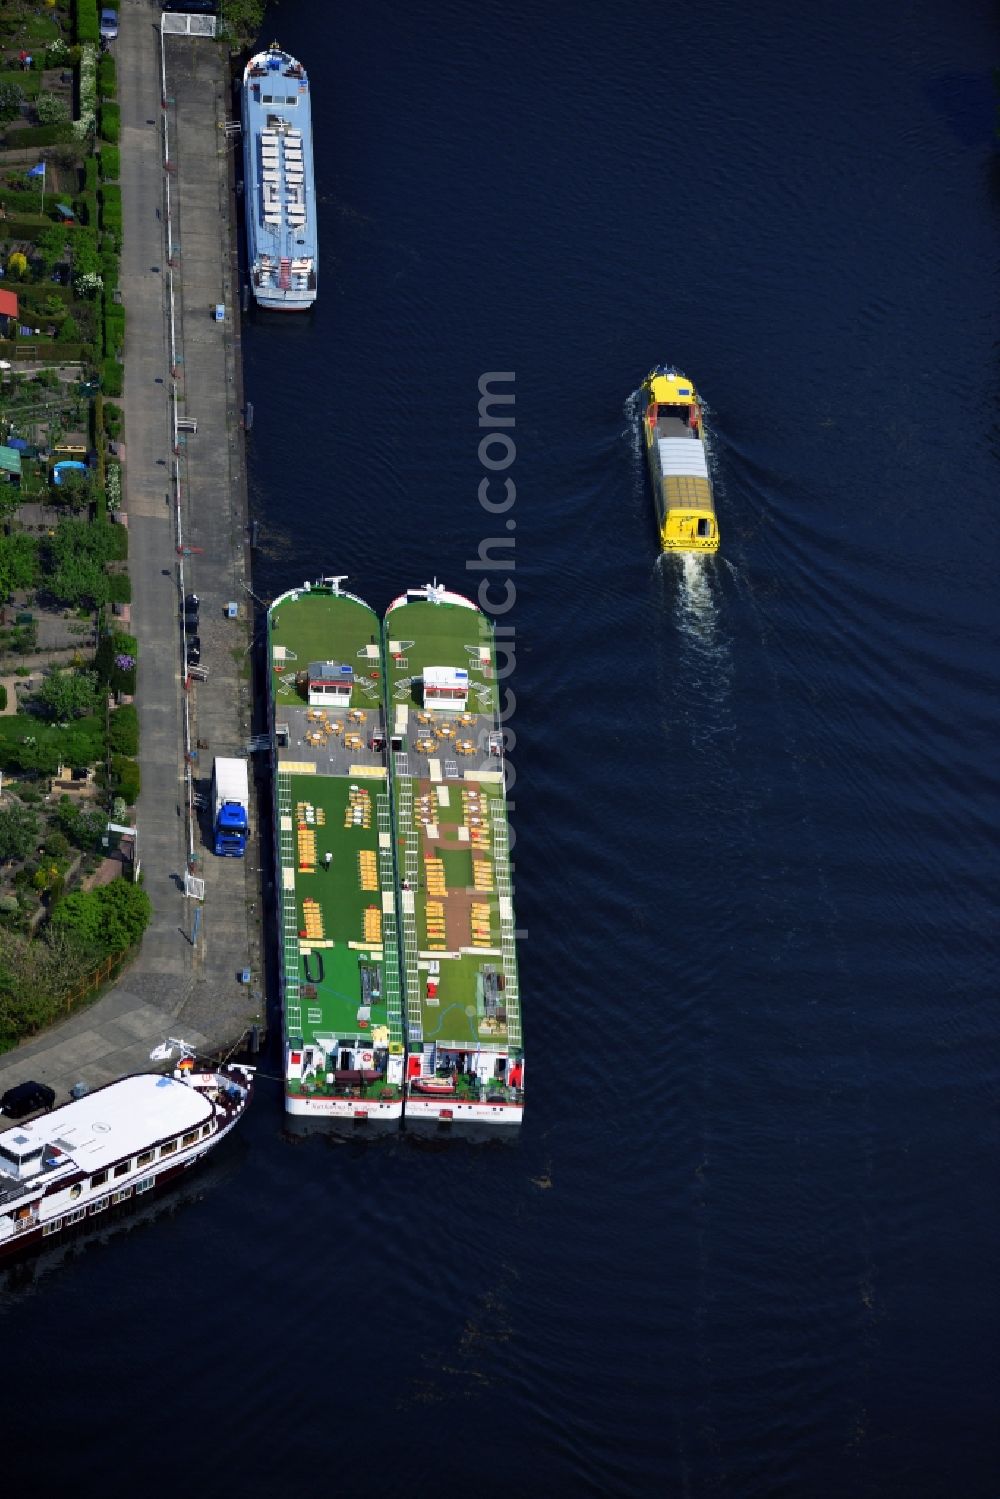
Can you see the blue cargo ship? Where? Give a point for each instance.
(279, 185)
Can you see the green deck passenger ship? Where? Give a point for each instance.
(465, 1058)
(335, 875)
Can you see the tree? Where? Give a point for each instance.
(51, 247)
(17, 264)
(18, 831)
(18, 563)
(11, 100)
(111, 918)
(67, 694)
(84, 827)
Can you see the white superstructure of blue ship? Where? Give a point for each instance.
(279, 184)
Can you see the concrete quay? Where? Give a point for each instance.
(186, 979)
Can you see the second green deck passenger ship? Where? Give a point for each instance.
(465, 1056)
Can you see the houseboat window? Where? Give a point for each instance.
(122, 1195)
(98, 1206)
(76, 1215)
(144, 1159)
(190, 1138)
(75, 1190)
(51, 1228)
(704, 528)
(144, 1185)
(123, 1168)
(98, 1179)
(169, 1148)
(206, 1129)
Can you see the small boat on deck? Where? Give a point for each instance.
(677, 454)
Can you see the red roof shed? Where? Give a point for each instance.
(8, 304)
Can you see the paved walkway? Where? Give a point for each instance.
(177, 985)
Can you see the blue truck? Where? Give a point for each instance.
(230, 807)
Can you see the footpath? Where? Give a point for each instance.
(187, 980)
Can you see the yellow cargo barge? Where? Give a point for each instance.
(673, 431)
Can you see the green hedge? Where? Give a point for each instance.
(26, 200)
(113, 418)
(39, 135)
(87, 26)
(90, 175)
(86, 209)
(111, 123)
(43, 348)
(24, 227)
(119, 588)
(125, 778)
(123, 731)
(109, 271)
(110, 163)
(106, 81)
(112, 378)
(111, 206)
(114, 332)
(112, 647)
(32, 297)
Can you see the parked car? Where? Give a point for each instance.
(109, 25)
(193, 650)
(25, 1098)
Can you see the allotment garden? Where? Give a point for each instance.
(68, 724)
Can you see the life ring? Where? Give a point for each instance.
(366, 1058)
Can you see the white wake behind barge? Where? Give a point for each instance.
(278, 182)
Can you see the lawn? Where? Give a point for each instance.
(440, 635)
(321, 627)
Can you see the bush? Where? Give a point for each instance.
(3, 699)
(56, 844)
(90, 175)
(68, 331)
(123, 731)
(51, 109)
(110, 117)
(106, 80)
(11, 99)
(109, 270)
(113, 419)
(125, 778)
(112, 377)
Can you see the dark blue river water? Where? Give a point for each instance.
(746, 1243)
